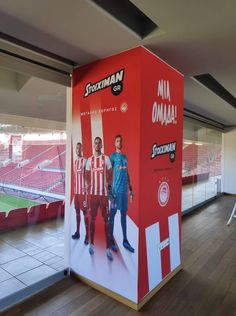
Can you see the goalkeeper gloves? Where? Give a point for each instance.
(131, 194)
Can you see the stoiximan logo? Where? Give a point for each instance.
(115, 81)
(169, 148)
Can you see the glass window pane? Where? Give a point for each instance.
(32, 192)
(201, 173)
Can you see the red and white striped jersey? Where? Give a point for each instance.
(80, 185)
(98, 167)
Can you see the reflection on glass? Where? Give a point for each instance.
(32, 191)
(201, 172)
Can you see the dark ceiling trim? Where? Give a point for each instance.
(212, 84)
(129, 15)
(204, 119)
(33, 62)
(36, 49)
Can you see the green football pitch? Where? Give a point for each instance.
(9, 202)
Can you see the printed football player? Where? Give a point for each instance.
(80, 198)
(120, 187)
(99, 177)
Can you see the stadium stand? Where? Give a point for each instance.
(58, 162)
(3, 221)
(55, 209)
(51, 153)
(200, 163)
(40, 179)
(31, 152)
(6, 169)
(58, 188)
(26, 173)
(37, 214)
(15, 174)
(17, 217)
(39, 168)
(4, 152)
(29, 174)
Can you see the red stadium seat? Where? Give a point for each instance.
(195, 178)
(63, 209)
(55, 209)
(3, 221)
(37, 214)
(17, 217)
(30, 176)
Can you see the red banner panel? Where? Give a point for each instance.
(127, 146)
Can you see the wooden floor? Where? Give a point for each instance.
(206, 286)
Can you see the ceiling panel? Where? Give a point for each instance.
(195, 37)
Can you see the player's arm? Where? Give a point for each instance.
(74, 178)
(109, 171)
(88, 173)
(85, 178)
(109, 175)
(131, 194)
(112, 161)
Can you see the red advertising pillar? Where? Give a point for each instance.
(127, 149)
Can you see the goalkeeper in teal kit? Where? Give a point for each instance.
(119, 193)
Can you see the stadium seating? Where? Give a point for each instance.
(59, 188)
(55, 209)
(63, 209)
(17, 217)
(14, 176)
(50, 153)
(3, 221)
(4, 152)
(6, 169)
(50, 178)
(200, 163)
(40, 179)
(33, 151)
(37, 214)
(195, 178)
(30, 176)
(58, 162)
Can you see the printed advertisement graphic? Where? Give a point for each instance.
(126, 196)
(160, 186)
(104, 211)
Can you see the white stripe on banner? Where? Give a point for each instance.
(96, 127)
(173, 222)
(79, 177)
(92, 161)
(101, 175)
(130, 259)
(82, 175)
(76, 176)
(153, 255)
(95, 175)
(77, 134)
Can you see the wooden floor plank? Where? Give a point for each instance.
(205, 287)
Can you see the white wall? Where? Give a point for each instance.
(229, 162)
